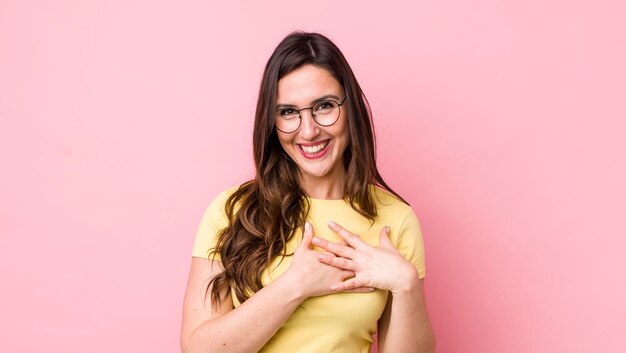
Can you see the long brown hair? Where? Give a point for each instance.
(264, 212)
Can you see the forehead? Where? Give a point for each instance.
(306, 84)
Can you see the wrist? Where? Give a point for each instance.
(408, 281)
(288, 284)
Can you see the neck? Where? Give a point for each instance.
(328, 187)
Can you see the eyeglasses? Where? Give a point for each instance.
(325, 113)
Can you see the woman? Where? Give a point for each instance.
(316, 253)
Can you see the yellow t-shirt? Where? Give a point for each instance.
(341, 322)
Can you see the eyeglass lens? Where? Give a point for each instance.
(325, 113)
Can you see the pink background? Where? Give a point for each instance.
(501, 122)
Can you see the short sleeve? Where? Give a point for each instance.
(410, 242)
(213, 220)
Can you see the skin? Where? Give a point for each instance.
(321, 178)
(349, 265)
(404, 325)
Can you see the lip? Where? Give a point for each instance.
(314, 156)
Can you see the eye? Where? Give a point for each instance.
(325, 106)
(287, 113)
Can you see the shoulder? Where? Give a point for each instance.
(386, 201)
(391, 209)
(223, 195)
(406, 232)
(213, 221)
(216, 207)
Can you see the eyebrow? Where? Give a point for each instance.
(323, 98)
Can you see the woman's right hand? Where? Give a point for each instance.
(311, 277)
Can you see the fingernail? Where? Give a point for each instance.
(307, 226)
(387, 229)
(371, 289)
(333, 287)
(321, 256)
(332, 224)
(316, 240)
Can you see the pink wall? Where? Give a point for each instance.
(502, 123)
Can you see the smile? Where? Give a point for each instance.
(314, 151)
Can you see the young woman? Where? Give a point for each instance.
(316, 253)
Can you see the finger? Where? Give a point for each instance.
(360, 290)
(345, 274)
(352, 239)
(307, 236)
(349, 284)
(385, 242)
(338, 262)
(337, 249)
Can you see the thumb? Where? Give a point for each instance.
(385, 242)
(307, 236)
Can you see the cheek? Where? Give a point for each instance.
(284, 141)
(344, 133)
(345, 137)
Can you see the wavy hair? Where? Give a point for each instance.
(263, 213)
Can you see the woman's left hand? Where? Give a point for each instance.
(380, 267)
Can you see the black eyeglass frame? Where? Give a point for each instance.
(339, 104)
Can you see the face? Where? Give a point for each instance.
(316, 149)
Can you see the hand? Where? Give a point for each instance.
(312, 277)
(382, 267)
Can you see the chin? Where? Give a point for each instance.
(314, 173)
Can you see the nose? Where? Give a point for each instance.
(308, 127)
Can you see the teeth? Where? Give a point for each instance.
(314, 149)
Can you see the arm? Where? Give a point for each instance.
(248, 327)
(245, 329)
(404, 325)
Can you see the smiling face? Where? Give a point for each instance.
(317, 150)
